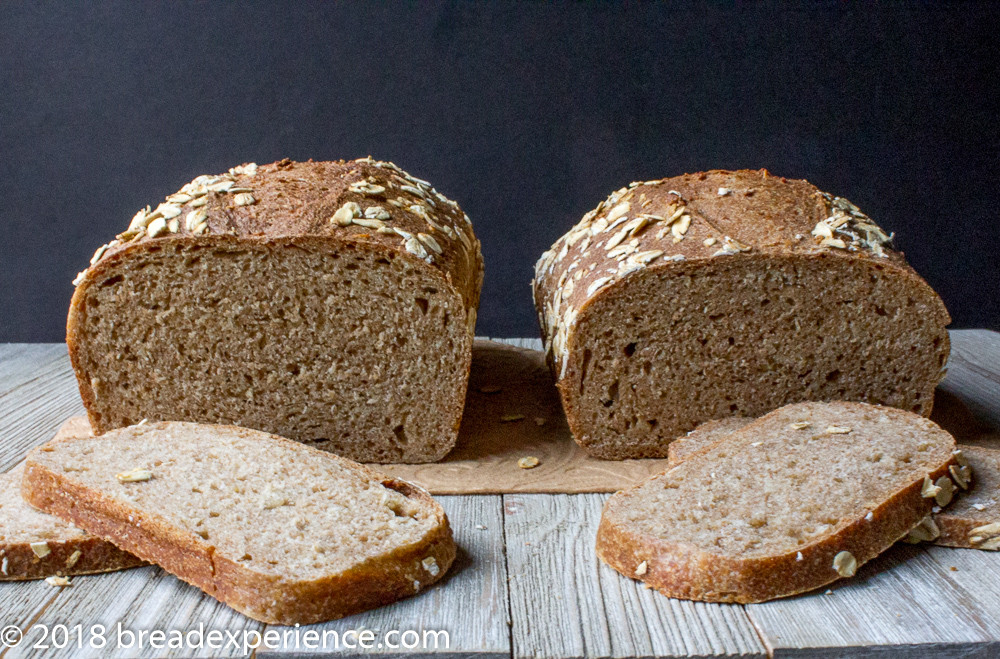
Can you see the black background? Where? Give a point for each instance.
(527, 114)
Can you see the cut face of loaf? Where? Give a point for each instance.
(277, 530)
(729, 294)
(331, 303)
(798, 498)
(34, 545)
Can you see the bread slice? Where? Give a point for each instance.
(328, 302)
(791, 502)
(279, 531)
(718, 294)
(34, 545)
(973, 520)
(702, 437)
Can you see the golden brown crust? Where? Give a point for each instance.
(268, 598)
(682, 570)
(683, 226)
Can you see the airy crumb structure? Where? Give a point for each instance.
(702, 437)
(670, 305)
(279, 531)
(328, 302)
(799, 498)
(34, 545)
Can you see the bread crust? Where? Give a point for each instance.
(683, 571)
(760, 217)
(267, 598)
(294, 207)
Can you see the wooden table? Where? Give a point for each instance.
(527, 582)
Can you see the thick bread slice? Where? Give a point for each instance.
(789, 503)
(702, 437)
(277, 530)
(34, 545)
(719, 294)
(974, 519)
(327, 302)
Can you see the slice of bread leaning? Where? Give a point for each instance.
(328, 302)
(717, 294)
(279, 531)
(790, 502)
(34, 545)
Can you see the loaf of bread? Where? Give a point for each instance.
(693, 298)
(329, 302)
(34, 545)
(790, 502)
(277, 530)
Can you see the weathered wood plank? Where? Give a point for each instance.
(125, 604)
(974, 373)
(565, 603)
(470, 603)
(31, 412)
(20, 362)
(906, 600)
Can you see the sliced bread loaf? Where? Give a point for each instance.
(327, 302)
(723, 294)
(974, 519)
(277, 530)
(34, 545)
(798, 498)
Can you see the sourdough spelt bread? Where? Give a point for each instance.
(702, 437)
(34, 545)
(693, 298)
(790, 502)
(279, 531)
(329, 302)
(973, 520)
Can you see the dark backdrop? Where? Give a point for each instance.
(527, 114)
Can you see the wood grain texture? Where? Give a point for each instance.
(974, 378)
(470, 603)
(20, 362)
(565, 603)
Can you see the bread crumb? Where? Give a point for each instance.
(798, 556)
(953, 568)
(799, 425)
(837, 430)
(481, 527)
(58, 582)
(3, 566)
(829, 592)
(528, 462)
(507, 418)
(40, 549)
(724, 191)
(869, 516)
(641, 569)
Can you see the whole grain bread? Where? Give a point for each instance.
(973, 520)
(791, 502)
(702, 437)
(718, 294)
(328, 302)
(279, 531)
(34, 545)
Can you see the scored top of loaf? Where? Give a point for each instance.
(708, 215)
(362, 200)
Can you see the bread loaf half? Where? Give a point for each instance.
(328, 302)
(791, 502)
(693, 298)
(34, 545)
(279, 531)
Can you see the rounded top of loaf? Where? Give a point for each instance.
(364, 201)
(698, 218)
